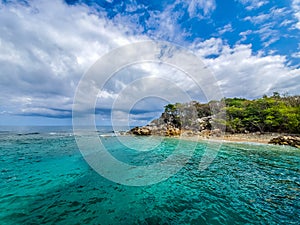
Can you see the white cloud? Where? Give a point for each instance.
(212, 46)
(241, 73)
(27, 105)
(267, 34)
(258, 19)
(146, 79)
(267, 25)
(46, 47)
(275, 14)
(225, 29)
(253, 4)
(164, 25)
(296, 8)
(244, 35)
(207, 6)
(296, 55)
(286, 22)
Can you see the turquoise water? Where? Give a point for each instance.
(45, 180)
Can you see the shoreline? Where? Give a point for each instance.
(234, 138)
(251, 137)
(256, 138)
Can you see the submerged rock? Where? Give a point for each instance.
(293, 141)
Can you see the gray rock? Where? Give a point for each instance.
(293, 141)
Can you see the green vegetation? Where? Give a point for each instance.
(267, 114)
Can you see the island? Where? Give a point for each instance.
(270, 119)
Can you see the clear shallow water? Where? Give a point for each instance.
(45, 180)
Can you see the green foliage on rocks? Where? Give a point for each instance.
(267, 114)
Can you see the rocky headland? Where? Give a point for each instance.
(180, 120)
(218, 121)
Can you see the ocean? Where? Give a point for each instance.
(44, 179)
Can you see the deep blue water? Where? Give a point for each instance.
(45, 180)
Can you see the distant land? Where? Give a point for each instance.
(276, 114)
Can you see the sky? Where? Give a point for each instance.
(251, 47)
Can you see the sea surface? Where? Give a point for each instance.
(44, 179)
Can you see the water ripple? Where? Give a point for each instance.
(44, 180)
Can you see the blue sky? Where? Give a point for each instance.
(251, 46)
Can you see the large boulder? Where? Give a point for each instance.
(161, 130)
(172, 131)
(293, 141)
(203, 123)
(141, 131)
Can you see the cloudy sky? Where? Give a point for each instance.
(251, 48)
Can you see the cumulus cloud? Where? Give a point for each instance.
(46, 46)
(244, 74)
(140, 89)
(212, 46)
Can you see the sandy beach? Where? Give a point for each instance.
(251, 137)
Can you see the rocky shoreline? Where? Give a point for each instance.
(266, 138)
(290, 140)
(183, 120)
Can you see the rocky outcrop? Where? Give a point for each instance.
(293, 141)
(140, 131)
(172, 131)
(164, 130)
(179, 119)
